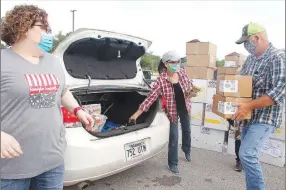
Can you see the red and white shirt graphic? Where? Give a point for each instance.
(42, 83)
(42, 89)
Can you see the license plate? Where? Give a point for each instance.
(135, 149)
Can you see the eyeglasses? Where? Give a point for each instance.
(43, 27)
(173, 62)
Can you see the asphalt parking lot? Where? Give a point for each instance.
(208, 170)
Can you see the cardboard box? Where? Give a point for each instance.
(211, 91)
(200, 72)
(208, 90)
(206, 138)
(234, 59)
(204, 48)
(201, 61)
(273, 153)
(234, 86)
(227, 70)
(279, 133)
(227, 106)
(197, 113)
(202, 95)
(213, 121)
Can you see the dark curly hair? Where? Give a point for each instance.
(19, 20)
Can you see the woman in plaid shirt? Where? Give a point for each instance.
(175, 86)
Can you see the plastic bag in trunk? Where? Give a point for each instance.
(99, 122)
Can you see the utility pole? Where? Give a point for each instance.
(73, 11)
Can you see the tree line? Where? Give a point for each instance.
(149, 61)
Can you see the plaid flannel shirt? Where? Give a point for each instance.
(268, 72)
(164, 87)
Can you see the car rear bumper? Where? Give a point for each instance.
(88, 158)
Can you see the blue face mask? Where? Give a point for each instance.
(174, 68)
(250, 47)
(46, 43)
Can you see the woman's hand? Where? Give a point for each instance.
(86, 119)
(134, 117)
(190, 94)
(10, 148)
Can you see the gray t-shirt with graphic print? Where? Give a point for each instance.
(31, 113)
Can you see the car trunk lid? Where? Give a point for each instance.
(96, 57)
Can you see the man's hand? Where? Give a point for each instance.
(242, 110)
(10, 147)
(86, 119)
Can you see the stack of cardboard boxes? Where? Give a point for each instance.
(201, 59)
(230, 91)
(231, 88)
(207, 128)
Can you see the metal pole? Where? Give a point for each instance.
(73, 11)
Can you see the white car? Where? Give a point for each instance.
(103, 67)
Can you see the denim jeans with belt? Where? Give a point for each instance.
(252, 139)
(173, 138)
(50, 180)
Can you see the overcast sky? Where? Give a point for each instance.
(169, 24)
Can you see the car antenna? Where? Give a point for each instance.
(89, 81)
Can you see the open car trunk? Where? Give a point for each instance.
(119, 107)
(108, 61)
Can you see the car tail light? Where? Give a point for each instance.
(69, 119)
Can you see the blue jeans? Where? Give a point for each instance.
(50, 180)
(173, 138)
(252, 139)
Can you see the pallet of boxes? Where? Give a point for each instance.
(207, 129)
(233, 89)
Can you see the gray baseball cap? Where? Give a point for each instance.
(171, 56)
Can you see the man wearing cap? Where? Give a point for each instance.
(175, 86)
(266, 64)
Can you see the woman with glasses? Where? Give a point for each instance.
(175, 86)
(32, 92)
